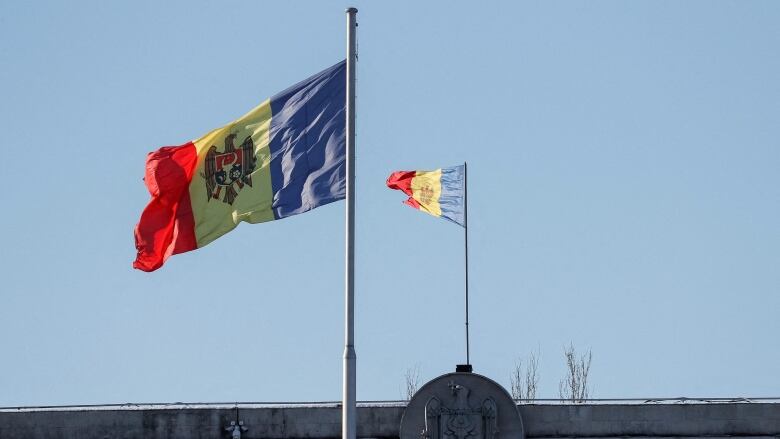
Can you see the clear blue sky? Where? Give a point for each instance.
(624, 164)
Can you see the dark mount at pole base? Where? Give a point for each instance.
(463, 368)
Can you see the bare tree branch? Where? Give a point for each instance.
(532, 376)
(516, 381)
(411, 381)
(574, 386)
(525, 381)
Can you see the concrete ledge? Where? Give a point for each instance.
(382, 421)
(692, 420)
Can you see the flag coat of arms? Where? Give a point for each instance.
(284, 157)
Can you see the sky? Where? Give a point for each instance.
(624, 198)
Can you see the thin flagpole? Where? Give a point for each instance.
(349, 406)
(466, 241)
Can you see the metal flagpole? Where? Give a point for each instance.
(349, 407)
(466, 239)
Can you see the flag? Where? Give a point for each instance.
(439, 192)
(284, 157)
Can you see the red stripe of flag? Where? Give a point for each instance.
(167, 225)
(402, 180)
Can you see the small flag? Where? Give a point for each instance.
(285, 157)
(439, 192)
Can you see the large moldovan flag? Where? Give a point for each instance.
(285, 157)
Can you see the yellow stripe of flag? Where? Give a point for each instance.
(426, 189)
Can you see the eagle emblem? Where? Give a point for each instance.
(229, 170)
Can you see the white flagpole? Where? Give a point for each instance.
(349, 406)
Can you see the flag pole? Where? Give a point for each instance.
(349, 406)
(466, 241)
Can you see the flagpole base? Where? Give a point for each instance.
(465, 368)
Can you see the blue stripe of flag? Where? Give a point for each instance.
(307, 143)
(452, 194)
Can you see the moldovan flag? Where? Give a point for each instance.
(285, 157)
(439, 192)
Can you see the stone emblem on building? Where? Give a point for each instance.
(459, 420)
(461, 406)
